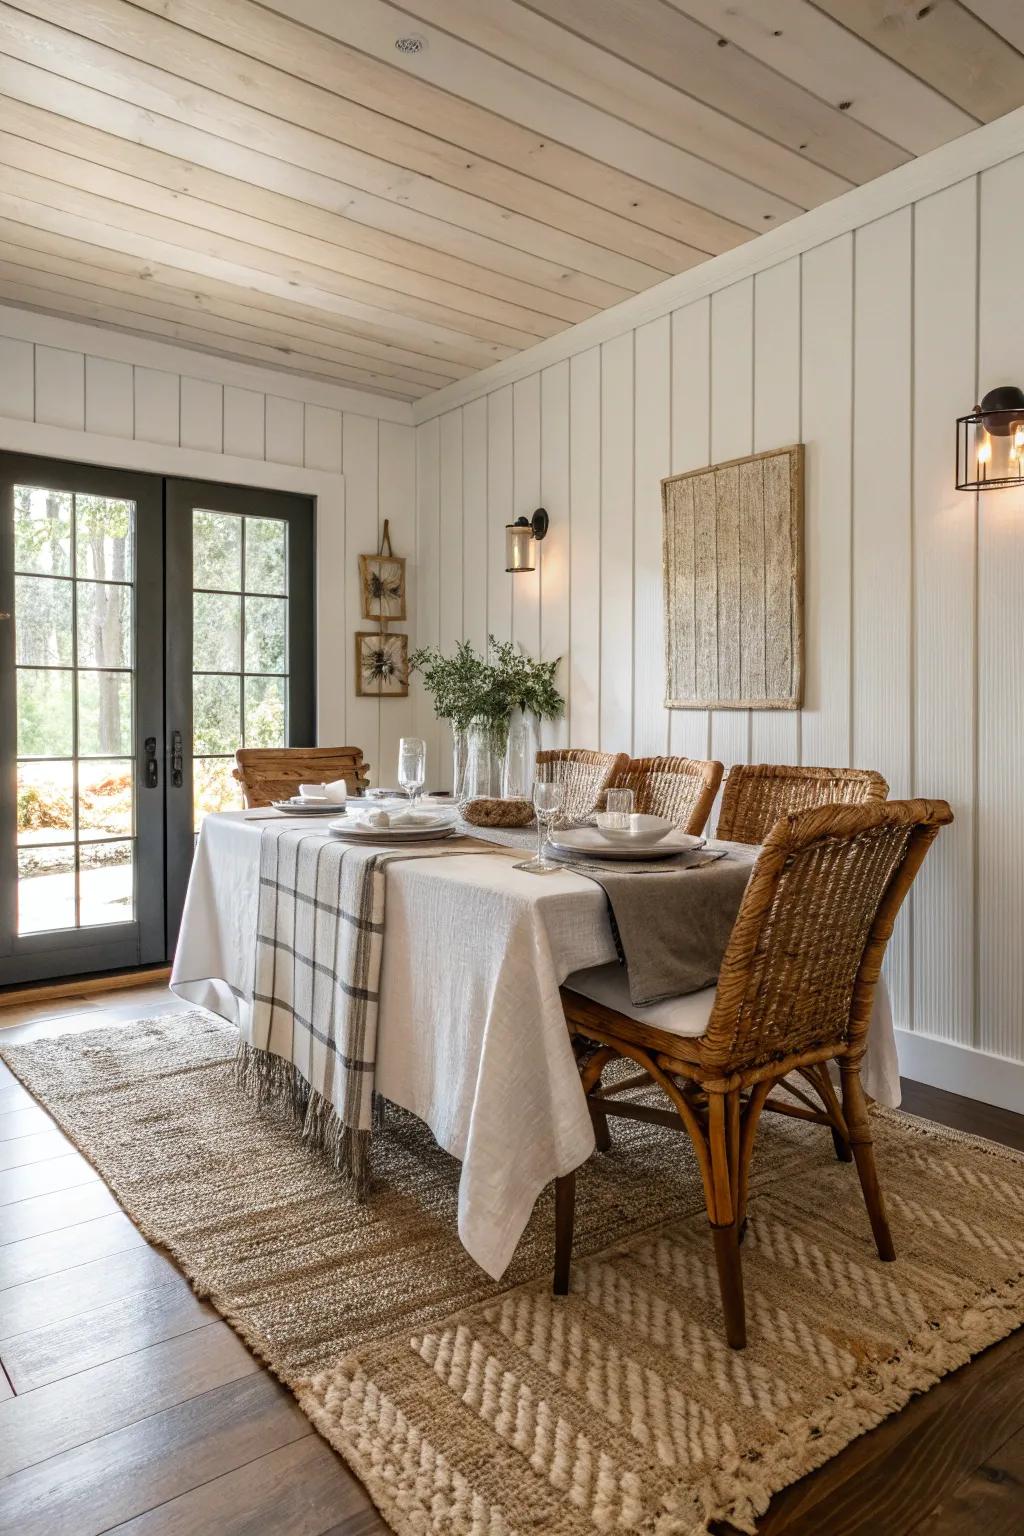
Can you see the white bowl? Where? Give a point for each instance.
(641, 832)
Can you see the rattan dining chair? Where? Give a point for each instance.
(682, 789)
(794, 992)
(585, 776)
(757, 794)
(267, 774)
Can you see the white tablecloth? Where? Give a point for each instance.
(471, 1035)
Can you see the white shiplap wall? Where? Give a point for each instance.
(106, 390)
(865, 347)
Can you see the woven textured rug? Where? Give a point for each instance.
(470, 1408)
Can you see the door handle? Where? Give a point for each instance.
(152, 776)
(177, 775)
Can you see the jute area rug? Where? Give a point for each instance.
(470, 1408)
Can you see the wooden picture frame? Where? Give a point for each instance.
(382, 587)
(733, 583)
(382, 665)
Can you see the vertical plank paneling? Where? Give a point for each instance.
(202, 414)
(525, 587)
(942, 914)
(585, 550)
(653, 459)
(1000, 874)
(774, 733)
(283, 430)
(732, 428)
(321, 444)
(690, 729)
(109, 406)
(881, 528)
(555, 553)
(450, 566)
(17, 379)
(157, 397)
(474, 521)
(499, 511)
(428, 500)
(827, 384)
(244, 429)
(60, 387)
(397, 503)
(359, 466)
(617, 544)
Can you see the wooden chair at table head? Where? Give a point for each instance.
(795, 991)
(682, 789)
(584, 775)
(757, 794)
(273, 773)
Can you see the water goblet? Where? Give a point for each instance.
(547, 802)
(412, 765)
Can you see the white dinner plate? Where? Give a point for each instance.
(306, 807)
(358, 832)
(589, 842)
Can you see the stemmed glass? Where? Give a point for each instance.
(547, 802)
(412, 765)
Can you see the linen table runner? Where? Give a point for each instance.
(313, 1030)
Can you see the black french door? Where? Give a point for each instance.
(149, 627)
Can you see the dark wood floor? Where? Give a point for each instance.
(126, 1405)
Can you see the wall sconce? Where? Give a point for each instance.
(520, 539)
(990, 442)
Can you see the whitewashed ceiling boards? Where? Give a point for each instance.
(395, 197)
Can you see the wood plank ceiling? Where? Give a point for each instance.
(282, 183)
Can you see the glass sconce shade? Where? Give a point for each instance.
(990, 442)
(521, 538)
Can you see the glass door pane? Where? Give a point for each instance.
(240, 651)
(239, 648)
(70, 561)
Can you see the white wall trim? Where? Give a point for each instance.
(146, 352)
(977, 151)
(199, 464)
(961, 1069)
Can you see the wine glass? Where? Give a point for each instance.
(412, 765)
(547, 802)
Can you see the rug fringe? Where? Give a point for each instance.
(271, 1080)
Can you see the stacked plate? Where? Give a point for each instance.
(353, 827)
(297, 806)
(591, 843)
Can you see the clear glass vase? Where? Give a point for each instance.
(460, 755)
(520, 758)
(485, 755)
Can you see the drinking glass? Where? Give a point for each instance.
(547, 802)
(412, 765)
(618, 807)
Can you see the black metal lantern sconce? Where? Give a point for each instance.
(990, 442)
(521, 539)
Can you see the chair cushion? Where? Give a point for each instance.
(685, 1016)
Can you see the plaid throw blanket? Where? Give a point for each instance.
(319, 939)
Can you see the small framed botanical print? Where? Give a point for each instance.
(382, 582)
(382, 665)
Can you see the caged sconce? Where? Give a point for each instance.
(521, 539)
(990, 442)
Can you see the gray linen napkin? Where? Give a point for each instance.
(671, 918)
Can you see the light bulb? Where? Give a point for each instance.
(984, 451)
(1018, 436)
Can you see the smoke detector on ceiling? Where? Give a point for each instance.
(411, 44)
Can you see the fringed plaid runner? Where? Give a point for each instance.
(319, 937)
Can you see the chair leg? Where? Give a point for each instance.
(723, 1211)
(565, 1216)
(602, 1135)
(856, 1116)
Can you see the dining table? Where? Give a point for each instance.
(471, 1035)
